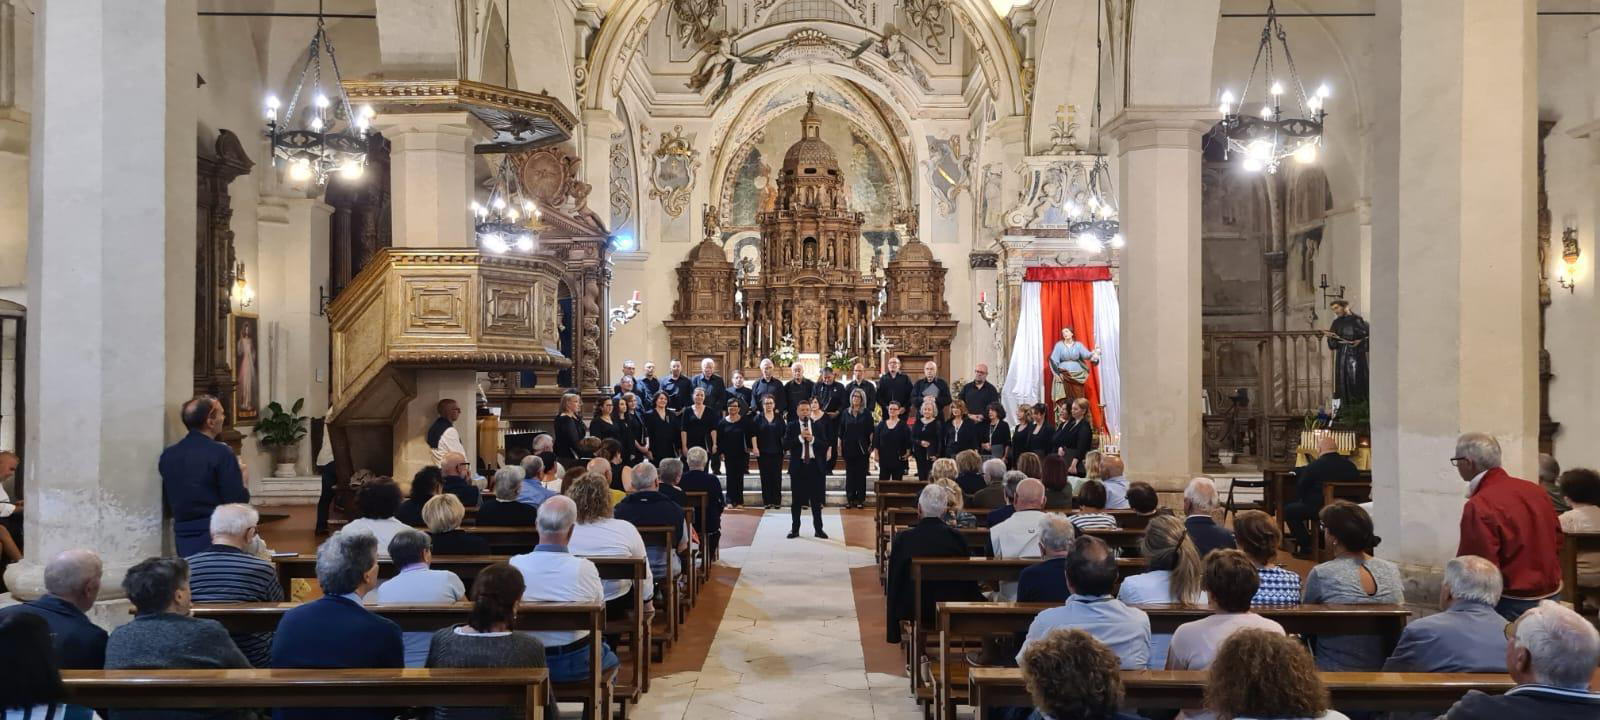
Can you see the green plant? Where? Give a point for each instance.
(840, 361)
(1355, 416)
(279, 428)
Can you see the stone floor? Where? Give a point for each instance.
(789, 645)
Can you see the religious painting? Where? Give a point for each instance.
(245, 352)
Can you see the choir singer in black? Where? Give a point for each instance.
(855, 444)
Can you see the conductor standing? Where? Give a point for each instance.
(810, 452)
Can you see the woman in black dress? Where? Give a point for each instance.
(770, 429)
(661, 430)
(890, 442)
(698, 425)
(630, 429)
(927, 438)
(568, 429)
(959, 432)
(604, 424)
(734, 434)
(1022, 439)
(1044, 433)
(999, 438)
(1075, 438)
(855, 444)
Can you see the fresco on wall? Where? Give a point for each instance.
(867, 172)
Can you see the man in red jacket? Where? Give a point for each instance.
(1510, 522)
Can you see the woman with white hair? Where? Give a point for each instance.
(927, 438)
(504, 510)
(443, 515)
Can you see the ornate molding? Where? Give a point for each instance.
(518, 118)
(983, 260)
(673, 164)
(949, 171)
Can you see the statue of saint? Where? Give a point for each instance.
(1070, 361)
(1347, 338)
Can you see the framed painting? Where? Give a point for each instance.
(244, 350)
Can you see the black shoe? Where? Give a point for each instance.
(822, 535)
(794, 534)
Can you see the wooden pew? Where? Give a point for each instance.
(701, 502)
(911, 487)
(883, 502)
(976, 620)
(664, 630)
(259, 688)
(1572, 545)
(1394, 692)
(594, 692)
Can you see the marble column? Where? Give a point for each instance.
(433, 181)
(1454, 295)
(1159, 155)
(14, 130)
(110, 275)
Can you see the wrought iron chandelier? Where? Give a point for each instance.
(1270, 136)
(1092, 211)
(509, 218)
(307, 138)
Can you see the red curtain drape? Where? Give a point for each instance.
(1063, 303)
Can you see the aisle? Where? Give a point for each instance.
(789, 645)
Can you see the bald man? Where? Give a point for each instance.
(1301, 512)
(71, 583)
(458, 479)
(978, 395)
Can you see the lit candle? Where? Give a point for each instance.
(636, 296)
(982, 296)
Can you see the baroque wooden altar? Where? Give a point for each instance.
(916, 319)
(705, 319)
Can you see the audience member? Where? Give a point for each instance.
(1550, 480)
(377, 502)
(598, 534)
(1509, 522)
(969, 471)
(1111, 470)
(1143, 500)
(1018, 536)
(1199, 510)
(1258, 536)
(411, 552)
(1013, 480)
(458, 479)
(162, 635)
(1263, 674)
(71, 584)
(227, 573)
(9, 552)
(700, 481)
(944, 469)
(1094, 464)
(1581, 487)
(443, 515)
(335, 631)
(930, 537)
(198, 474)
(1468, 636)
(646, 506)
(956, 514)
(30, 679)
(1230, 581)
(1047, 581)
(1174, 575)
(1029, 463)
(442, 437)
(1070, 674)
(424, 485)
(1551, 654)
(1091, 575)
(1057, 482)
(488, 640)
(553, 574)
(993, 492)
(506, 508)
(663, 485)
(1301, 512)
(1091, 503)
(1352, 576)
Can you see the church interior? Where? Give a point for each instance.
(1300, 274)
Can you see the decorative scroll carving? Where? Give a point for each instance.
(978, 260)
(672, 169)
(1050, 184)
(948, 170)
(693, 18)
(622, 193)
(931, 18)
(551, 175)
(214, 263)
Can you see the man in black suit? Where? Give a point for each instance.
(769, 384)
(859, 381)
(797, 391)
(71, 583)
(931, 385)
(978, 395)
(1301, 512)
(829, 393)
(930, 537)
(716, 399)
(198, 474)
(679, 389)
(893, 386)
(1199, 508)
(628, 369)
(810, 450)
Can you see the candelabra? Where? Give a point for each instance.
(621, 314)
(989, 312)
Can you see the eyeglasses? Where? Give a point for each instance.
(1456, 461)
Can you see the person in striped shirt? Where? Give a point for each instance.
(226, 572)
(1091, 513)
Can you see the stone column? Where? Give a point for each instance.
(433, 181)
(1159, 155)
(14, 131)
(110, 279)
(1454, 321)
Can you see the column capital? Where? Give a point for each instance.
(1160, 126)
(599, 123)
(459, 123)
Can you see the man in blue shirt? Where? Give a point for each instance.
(198, 474)
(1468, 636)
(71, 581)
(1091, 575)
(533, 491)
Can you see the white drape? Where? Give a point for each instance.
(1108, 340)
(1025, 375)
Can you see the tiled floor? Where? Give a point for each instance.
(789, 645)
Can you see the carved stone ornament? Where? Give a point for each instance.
(983, 260)
(672, 169)
(947, 171)
(1050, 185)
(550, 174)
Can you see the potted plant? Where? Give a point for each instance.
(784, 355)
(841, 361)
(281, 433)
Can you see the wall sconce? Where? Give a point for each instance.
(243, 294)
(1569, 259)
(621, 314)
(987, 311)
